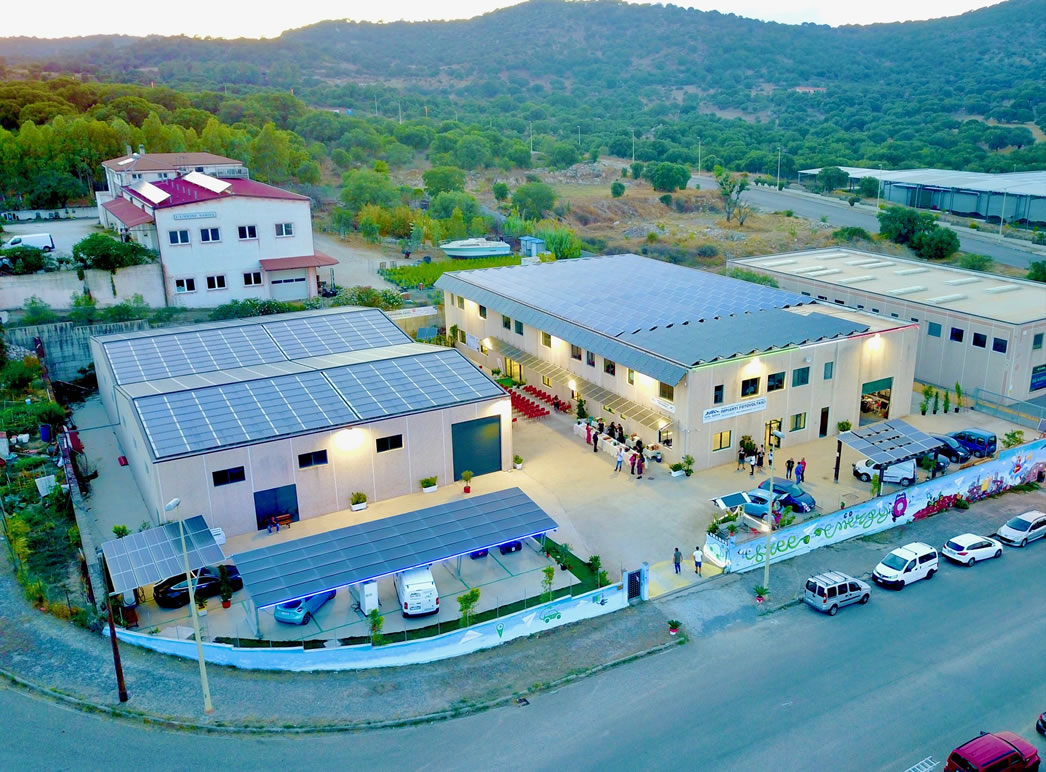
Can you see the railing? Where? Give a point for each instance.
(1015, 410)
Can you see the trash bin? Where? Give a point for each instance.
(45, 432)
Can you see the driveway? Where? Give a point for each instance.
(357, 266)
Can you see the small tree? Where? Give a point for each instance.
(868, 186)
(637, 170)
(500, 191)
(120, 531)
(947, 402)
(548, 577)
(730, 189)
(466, 602)
(958, 396)
(581, 412)
(376, 622)
(617, 189)
(936, 401)
(830, 178)
(1013, 439)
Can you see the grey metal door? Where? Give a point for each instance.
(276, 501)
(476, 446)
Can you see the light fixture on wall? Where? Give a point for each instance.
(572, 385)
(875, 341)
(348, 439)
(808, 360)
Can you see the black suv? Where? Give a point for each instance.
(174, 593)
(952, 450)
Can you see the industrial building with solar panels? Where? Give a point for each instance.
(686, 359)
(290, 415)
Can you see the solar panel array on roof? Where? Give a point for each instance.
(155, 554)
(889, 442)
(216, 416)
(325, 561)
(331, 333)
(407, 384)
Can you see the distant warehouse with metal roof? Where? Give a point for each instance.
(292, 414)
(978, 329)
(1019, 197)
(689, 360)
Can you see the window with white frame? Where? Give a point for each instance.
(252, 279)
(178, 237)
(216, 282)
(248, 231)
(184, 285)
(209, 235)
(284, 229)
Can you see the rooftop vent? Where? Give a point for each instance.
(908, 290)
(947, 298)
(776, 263)
(964, 280)
(911, 271)
(856, 279)
(1002, 288)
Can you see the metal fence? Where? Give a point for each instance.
(1018, 411)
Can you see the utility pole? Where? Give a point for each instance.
(375, 105)
(698, 156)
(531, 136)
(400, 108)
(778, 167)
(633, 145)
(1002, 212)
(579, 136)
(879, 188)
(120, 685)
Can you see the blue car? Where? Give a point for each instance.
(792, 495)
(759, 502)
(299, 612)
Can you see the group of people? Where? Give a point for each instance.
(799, 469)
(637, 459)
(677, 559)
(754, 458)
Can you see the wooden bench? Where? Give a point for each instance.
(284, 520)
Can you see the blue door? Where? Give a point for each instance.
(276, 501)
(476, 446)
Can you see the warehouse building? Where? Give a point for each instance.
(684, 358)
(978, 329)
(290, 415)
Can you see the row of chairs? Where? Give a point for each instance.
(545, 397)
(527, 407)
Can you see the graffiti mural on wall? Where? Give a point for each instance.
(1013, 467)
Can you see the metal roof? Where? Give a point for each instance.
(1016, 183)
(325, 561)
(155, 554)
(889, 442)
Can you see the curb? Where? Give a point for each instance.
(219, 727)
(714, 582)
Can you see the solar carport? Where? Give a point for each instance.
(368, 551)
(887, 443)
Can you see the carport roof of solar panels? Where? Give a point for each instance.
(889, 442)
(154, 554)
(324, 561)
(348, 368)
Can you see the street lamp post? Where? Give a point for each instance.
(879, 187)
(778, 167)
(208, 707)
(770, 511)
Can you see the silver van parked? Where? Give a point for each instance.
(829, 591)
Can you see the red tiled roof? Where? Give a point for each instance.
(306, 261)
(126, 212)
(183, 192)
(160, 162)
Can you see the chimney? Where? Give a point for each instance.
(127, 149)
(141, 150)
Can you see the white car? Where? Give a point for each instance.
(1024, 528)
(902, 473)
(905, 565)
(968, 548)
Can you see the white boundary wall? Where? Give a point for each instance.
(56, 288)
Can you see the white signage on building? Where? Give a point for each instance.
(736, 409)
(472, 342)
(410, 313)
(194, 215)
(664, 404)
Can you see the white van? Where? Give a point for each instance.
(902, 473)
(39, 240)
(905, 565)
(416, 591)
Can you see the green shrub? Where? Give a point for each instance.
(707, 250)
(617, 189)
(746, 275)
(37, 312)
(851, 233)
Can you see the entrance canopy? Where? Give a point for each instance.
(890, 442)
(149, 556)
(346, 556)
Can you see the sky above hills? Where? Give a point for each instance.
(65, 18)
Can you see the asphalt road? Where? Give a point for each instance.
(840, 214)
(879, 687)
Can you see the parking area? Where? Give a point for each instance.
(65, 232)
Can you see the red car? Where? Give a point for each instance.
(994, 751)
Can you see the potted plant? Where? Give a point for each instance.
(358, 501)
(924, 405)
(673, 626)
(936, 402)
(688, 465)
(466, 477)
(225, 589)
(844, 425)
(517, 461)
(958, 396)
(677, 469)
(201, 604)
(428, 484)
(947, 403)
(927, 392)
(760, 593)
(564, 552)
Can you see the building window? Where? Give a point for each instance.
(461, 335)
(284, 229)
(829, 370)
(999, 345)
(546, 340)
(216, 282)
(875, 310)
(252, 279)
(575, 352)
(590, 359)
(980, 340)
(184, 285)
(721, 440)
(482, 312)
(461, 302)
(800, 376)
(609, 367)
(483, 349)
(717, 395)
(228, 476)
(209, 235)
(315, 458)
(247, 231)
(546, 381)
(749, 387)
(956, 335)
(895, 316)
(506, 322)
(1036, 341)
(519, 327)
(631, 377)
(933, 329)
(666, 392)
(394, 442)
(775, 381)
(797, 422)
(178, 237)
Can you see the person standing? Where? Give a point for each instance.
(677, 558)
(800, 470)
(789, 465)
(759, 457)
(620, 459)
(751, 464)
(640, 462)
(802, 463)
(632, 464)
(740, 459)
(770, 457)
(600, 426)
(595, 443)
(588, 433)
(697, 561)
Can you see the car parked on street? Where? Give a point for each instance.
(830, 591)
(968, 548)
(1024, 528)
(174, 592)
(793, 496)
(980, 443)
(903, 473)
(299, 612)
(951, 448)
(994, 752)
(906, 564)
(942, 462)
